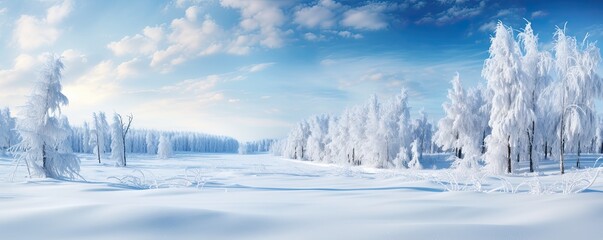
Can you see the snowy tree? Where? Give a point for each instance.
(373, 148)
(536, 66)
(151, 143)
(41, 130)
(447, 135)
(164, 149)
(86, 138)
(8, 136)
(404, 128)
(318, 127)
(415, 163)
(100, 135)
(579, 86)
(511, 113)
(296, 141)
(422, 131)
(118, 136)
(465, 125)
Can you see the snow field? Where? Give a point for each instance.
(221, 196)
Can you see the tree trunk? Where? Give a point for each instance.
(98, 153)
(578, 160)
(509, 155)
(483, 141)
(561, 155)
(44, 163)
(124, 141)
(546, 149)
(531, 144)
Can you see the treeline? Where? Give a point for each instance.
(258, 146)
(147, 141)
(377, 134)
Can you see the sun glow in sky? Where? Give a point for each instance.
(252, 68)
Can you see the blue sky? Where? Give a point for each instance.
(251, 69)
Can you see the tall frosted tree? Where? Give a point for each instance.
(447, 135)
(8, 136)
(465, 124)
(536, 67)
(86, 138)
(119, 130)
(100, 140)
(164, 149)
(403, 154)
(579, 85)
(511, 114)
(151, 143)
(41, 130)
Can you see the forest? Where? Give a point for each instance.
(536, 105)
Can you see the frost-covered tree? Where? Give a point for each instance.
(579, 86)
(316, 143)
(403, 154)
(151, 143)
(465, 125)
(373, 148)
(373, 134)
(118, 139)
(86, 138)
(41, 130)
(511, 113)
(8, 135)
(447, 135)
(415, 163)
(164, 149)
(536, 67)
(422, 131)
(599, 136)
(296, 141)
(100, 139)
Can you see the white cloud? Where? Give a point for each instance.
(57, 13)
(488, 27)
(196, 86)
(539, 13)
(71, 55)
(327, 62)
(261, 19)
(234, 100)
(259, 67)
(32, 32)
(191, 13)
(241, 45)
(368, 17)
(455, 13)
(129, 68)
(348, 34)
(146, 43)
(188, 39)
(3, 10)
(320, 15)
(311, 37)
(95, 86)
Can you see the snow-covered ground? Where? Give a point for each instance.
(219, 196)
